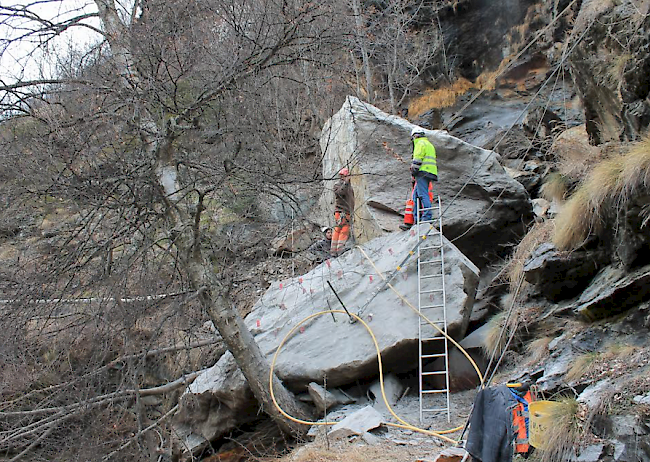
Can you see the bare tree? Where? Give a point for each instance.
(150, 138)
(406, 53)
(394, 48)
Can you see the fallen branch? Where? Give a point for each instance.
(137, 435)
(34, 444)
(160, 390)
(70, 301)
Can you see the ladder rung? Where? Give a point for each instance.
(430, 291)
(435, 373)
(427, 262)
(432, 261)
(436, 409)
(431, 306)
(434, 391)
(439, 323)
(433, 338)
(437, 355)
(429, 276)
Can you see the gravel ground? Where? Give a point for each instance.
(390, 444)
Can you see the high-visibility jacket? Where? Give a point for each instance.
(424, 156)
(520, 422)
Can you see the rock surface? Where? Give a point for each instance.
(339, 350)
(614, 109)
(322, 398)
(322, 347)
(213, 404)
(393, 390)
(376, 146)
(614, 291)
(563, 275)
(357, 423)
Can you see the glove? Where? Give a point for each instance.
(414, 169)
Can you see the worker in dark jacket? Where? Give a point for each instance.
(424, 169)
(321, 248)
(343, 208)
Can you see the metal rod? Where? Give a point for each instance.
(340, 301)
(330, 308)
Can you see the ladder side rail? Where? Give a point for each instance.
(444, 305)
(420, 360)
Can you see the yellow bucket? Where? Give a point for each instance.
(540, 419)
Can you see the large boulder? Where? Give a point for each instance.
(610, 68)
(613, 291)
(215, 403)
(484, 208)
(329, 346)
(343, 351)
(563, 275)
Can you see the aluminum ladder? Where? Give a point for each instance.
(434, 397)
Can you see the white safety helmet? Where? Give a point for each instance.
(416, 131)
(324, 229)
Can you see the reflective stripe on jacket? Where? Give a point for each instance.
(424, 156)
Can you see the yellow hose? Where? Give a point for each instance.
(416, 311)
(405, 425)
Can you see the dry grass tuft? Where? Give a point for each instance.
(614, 74)
(635, 172)
(440, 98)
(573, 153)
(538, 234)
(574, 222)
(582, 366)
(619, 351)
(610, 186)
(496, 338)
(488, 80)
(555, 187)
(538, 349)
(565, 434)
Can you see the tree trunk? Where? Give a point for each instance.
(392, 69)
(238, 339)
(356, 8)
(245, 349)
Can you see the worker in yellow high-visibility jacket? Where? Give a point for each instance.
(424, 169)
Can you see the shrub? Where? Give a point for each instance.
(608, 188)
(564, 434)
(439, 98)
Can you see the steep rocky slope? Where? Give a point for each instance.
(578, 326)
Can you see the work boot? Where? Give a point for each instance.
(405, 227)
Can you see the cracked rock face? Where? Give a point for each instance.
(612, 79)
(484, 208)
